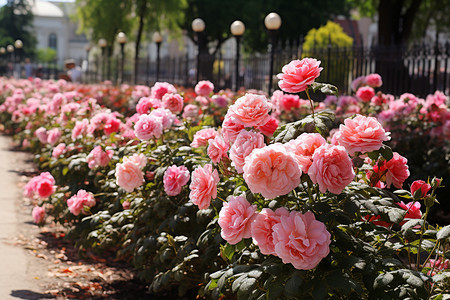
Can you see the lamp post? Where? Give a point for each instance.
(122, 39)
(18, 44)
(88, 48)
(272, 23)
(198, 26)
(103, 43)
(2, 54)
(237, 29)
(10, 49)
(157, 38)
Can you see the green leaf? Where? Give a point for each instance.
(411, 223)
(443, 233)
(293, 286)
(227, 251)
(246, 287)
(274, 292)
(320, 291)
(386, 152)
(325, 88)
(383, 280)
(65, 171)
(441, 276)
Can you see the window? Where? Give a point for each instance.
(52, 41)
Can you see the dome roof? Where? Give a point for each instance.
(46, 9)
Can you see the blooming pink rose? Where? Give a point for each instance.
(129, 176)
(373, 80)
(269, 127)
(126, 205)
(331, 168)
(244, 144)
(162, 88)
(289, 102)
(173, 102)
(38, 214)
(217, 149)
(250, 110)
(262, 228)
(144, 105)
(80, 128)
(413, 210)
(235, 219)
(230, 129)
(190, 111)
(357, 82)
(365, 93)
(41, 134)
(99, 158)
(303, 148)
(204, 88)
(422, 185)
(78, 202)
(166, 117)
(397, 170)
(220, 101)
(174, 179)
(301, 240)
(298, 75)
(271, 171)
(45, 188)
(361, 134)
(203, 101)
(147, 127)
(139, 160)
(111, 125)
(58, 150)
(437, 265)
(202, 136)
(203, 186)
(53, 136)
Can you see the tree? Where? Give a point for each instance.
(16, 23)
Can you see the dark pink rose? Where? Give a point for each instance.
(174, 179)
(298, 75)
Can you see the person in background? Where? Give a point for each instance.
(28, 68)
(73, 71)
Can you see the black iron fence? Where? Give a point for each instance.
(419, 69)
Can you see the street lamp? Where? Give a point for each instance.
(103, 43)
(272, 23)
(237, 29)
(19, 45)
(10, 49)
(198, 26)
(2, 53)
(122, 39)
(157, 38)
(88, 48)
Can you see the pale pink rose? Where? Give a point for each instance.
(38, 214)
(129, 176)
(147, 127)
(235, 219)
(203, 186)
(250, 110)
(397, 171)
(139, 160)
(299, 74)
(80, 128)
(303, 148)
(174, 179)
(99, 158)
(41, 134)
(80, 202)
(271, 171)
(166, 117)
(26, 144)
(357, 83)
(126, 205)
(190, 111)
(262, 228)
(331, 168)
(422, 186)
(217, 149)
(270, 127)
(365, 93)
(162, 88)
(301, 240)
(173, 102)
(220, 101)
(53, 136)
(289, 102)
(230, 129)
(361, 134)
(202, 136)
(373, 80)
(203, 101)
(244, 144)
(58, 150)
(144, 105)
(204, 88)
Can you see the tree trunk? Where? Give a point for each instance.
(142, 12)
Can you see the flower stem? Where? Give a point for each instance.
(310, 102)
(421, 237)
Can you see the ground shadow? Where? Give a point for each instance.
(30, 295)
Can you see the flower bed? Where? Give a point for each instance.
(236, 195)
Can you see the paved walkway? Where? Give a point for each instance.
(19, 278)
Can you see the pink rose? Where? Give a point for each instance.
(262, 228)
(230, 129)
(220, 101)
(202, 136)
(41, 134)
(77, 203)
(289, 102)
(301, 240)
(144, 105)
(422, 185)
(162, 88)
(303, 148)
(413, 211)
(111, 125)
(147, 127)
(397, 170)
(298, 75)
(203, 186)
(99, 158)
(80, 128)
(174, 179)
(139, 160)
(244, 144)
(126, 205)
(437, 265)
(165, 116)
(361, 134)
(45, 187)
(365, 93)
(269, 127)
(271, 171)
(357, 82)
(373, 80)
(58, 150)
(235, 219)
(331, 168)
(53, 136)
(129, 176)
(250, 110)
(173, 102)
(38, 214)
(217, 149)
(190, 111)
(204, 88)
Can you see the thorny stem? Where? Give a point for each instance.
(421, 237)
(312, 105)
